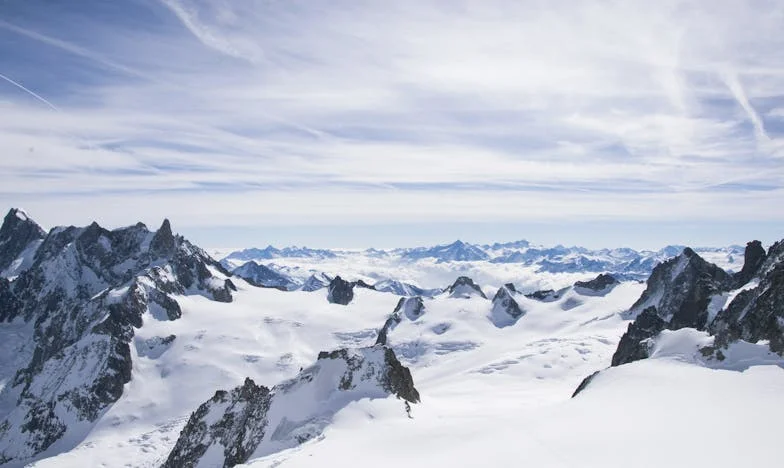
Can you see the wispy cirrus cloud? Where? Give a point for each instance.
(338, 111)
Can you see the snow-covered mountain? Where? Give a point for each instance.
(133, 347)
(457, 251)
(71, 311)
(718, 319)
(271, 252)
(261, 275)
(529, 266)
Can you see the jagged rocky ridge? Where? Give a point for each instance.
(85, 292)
(19, 235)
(688, 292)
(252, 421)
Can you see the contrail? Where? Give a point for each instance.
(31, 93)
(50, 105)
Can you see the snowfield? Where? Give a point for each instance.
(490, 396)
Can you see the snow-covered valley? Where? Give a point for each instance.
(494, 366)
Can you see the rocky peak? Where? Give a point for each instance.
(464, 287)
(252, 421)
(238, 429)
(757, 313)
(164, 242)
(506, 310)
(340, 291)
(681, 288)
(753, 258)
(18, 232)
(84, 295)
(599, 286)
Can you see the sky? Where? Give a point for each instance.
(374, 123)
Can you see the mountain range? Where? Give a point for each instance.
(292, 266)
(134, 347)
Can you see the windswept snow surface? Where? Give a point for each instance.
(490, 396)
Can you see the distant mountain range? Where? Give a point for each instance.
(624, 263)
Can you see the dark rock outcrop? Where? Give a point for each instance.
(753, 258)
(254, 420)
(681, 288)
(238, 430)
(757, 313)
(634, 343)
(164, 242)
(584, 384)
(544, 295)
(599, 286)
(464, 287)
(340, 291)
(677, 295)
(506, 311)
(17, 234)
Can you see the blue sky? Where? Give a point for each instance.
(350, 123)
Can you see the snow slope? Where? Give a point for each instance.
(650, 413)
(268, 335)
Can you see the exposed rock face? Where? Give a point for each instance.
(677, 296)
(410, 307)
(757, 313)
(634, 343)
(85, 293)
(584, 384)
(544, 295)
(680, 291)
(361, 284)
(753, 258)
(506, 311)
(681, 288)
(238, 430)
(17, 234)
(340, 291)
(464, 287)
(252, 421)
(599, 286)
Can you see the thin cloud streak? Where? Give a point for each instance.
(672, 101)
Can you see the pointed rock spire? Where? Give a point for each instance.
(163, 243)
(340, 291)
(16, 234)
(753, 258)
